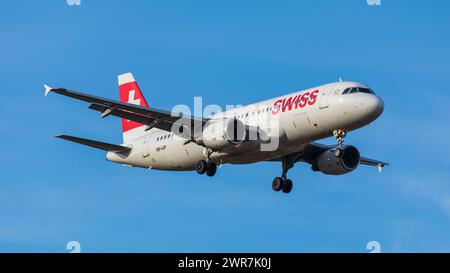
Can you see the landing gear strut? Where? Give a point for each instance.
(339, 134)
(283, 183)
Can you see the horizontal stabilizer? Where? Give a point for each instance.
(97, 144)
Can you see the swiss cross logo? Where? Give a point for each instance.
(131, 98)
(131, 93)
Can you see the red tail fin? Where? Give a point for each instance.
(131, 93)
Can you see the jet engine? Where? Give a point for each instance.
(222, 133)
(329, 163)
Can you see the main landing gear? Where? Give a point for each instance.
(340, 136)
(209, 168)
(283, 183)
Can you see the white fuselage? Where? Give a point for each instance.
(323, 110)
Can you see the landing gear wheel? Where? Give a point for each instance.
(201, 167)
(277, 183)
(282, 183)
(211, 169)
(286, 186)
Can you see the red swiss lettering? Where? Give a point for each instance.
(304, 100)
(313, 97)
(276, 107)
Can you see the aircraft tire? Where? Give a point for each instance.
(286, 186)
(211, 169)
(277, 183)
(201, 167)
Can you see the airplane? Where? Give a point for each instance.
(282, 129)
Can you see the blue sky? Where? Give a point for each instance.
(53, 192)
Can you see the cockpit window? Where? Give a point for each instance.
(365, 90)
(352, 90)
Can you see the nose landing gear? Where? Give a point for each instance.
(339, 134)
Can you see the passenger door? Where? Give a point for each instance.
(324, 96)
(145, 149)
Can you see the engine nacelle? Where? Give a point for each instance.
(329, 163)
(222, 133)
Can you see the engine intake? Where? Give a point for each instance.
(224, 133)
(329, 163)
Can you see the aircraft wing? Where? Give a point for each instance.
(313, 150)
(372, 162)
(152, 117)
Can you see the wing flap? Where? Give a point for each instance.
(145, 120)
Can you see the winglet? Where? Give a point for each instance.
(381, 166)
(47, 89)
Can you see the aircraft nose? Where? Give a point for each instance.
(374, 107)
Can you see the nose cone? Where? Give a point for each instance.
(373, 107)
